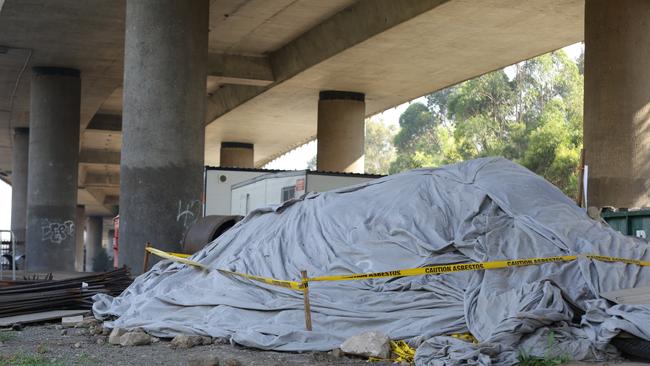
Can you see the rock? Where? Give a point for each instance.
(336, 352)
(404, 363)
(106, 331)
(77, 345)
(41, 349)
(155, 339)
(17, 327)
(368, 344)
(220, 340)
(206, 341)
(137, 338)
(71, 321)
(64, 332)
(232, 362)
(204, 361)
(116, 334)
(58, 327)
(186, 341)
(101, 341)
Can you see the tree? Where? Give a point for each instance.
(379, 149)
(532, 115)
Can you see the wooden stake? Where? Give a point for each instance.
(145, 264)
(305, 295)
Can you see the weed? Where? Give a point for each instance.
(6, 336)
(20, 359)
(549, 359)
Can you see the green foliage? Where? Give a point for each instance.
(379, 149)
(6, 336)
(530, 113)
(549, 359)
(21, 359)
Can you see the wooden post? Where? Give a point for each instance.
(305, 295)
(145, 263)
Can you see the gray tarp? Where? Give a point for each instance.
(481, 210)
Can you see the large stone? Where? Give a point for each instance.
(368, 344)
(116, 334)
(135, 339)
(186, 341)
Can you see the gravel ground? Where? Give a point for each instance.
(46, 345)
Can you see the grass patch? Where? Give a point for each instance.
(20, 359)
(6, 336)
(549, 359)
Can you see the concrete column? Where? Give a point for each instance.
(19, 161)
(617, 103)
(53, 168)
(109, 243)
(341, 131)
(237, 155)
(80, 228)
(165, 68)
(94, 231)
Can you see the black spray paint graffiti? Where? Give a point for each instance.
(56, 232)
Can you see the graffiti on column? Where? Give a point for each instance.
(188, 213)
(56, 232)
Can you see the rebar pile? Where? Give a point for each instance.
(73, 293)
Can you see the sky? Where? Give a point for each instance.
(296, 159)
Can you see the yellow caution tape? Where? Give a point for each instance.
(401, 352)
(428, 270)
(176, 258)
(299, 286)
(467, 337)
(446, 268)
(180, 255)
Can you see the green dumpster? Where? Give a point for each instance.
(634, 223)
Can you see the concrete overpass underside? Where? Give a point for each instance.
(268, 60)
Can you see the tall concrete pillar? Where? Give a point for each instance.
(617, 103)
(165, 68)
(341, 131)
(53, 167)
(237, 155)
(19, 162)
(80, 228)
(94, 230)
(109, 243)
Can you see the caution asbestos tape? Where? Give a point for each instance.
(176, 257)
(420, 271)
(300, 286)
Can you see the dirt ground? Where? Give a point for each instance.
(45, 345)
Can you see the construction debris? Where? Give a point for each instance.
(73, 293)
(485, 248)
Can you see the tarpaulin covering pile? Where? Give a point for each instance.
(481, 210)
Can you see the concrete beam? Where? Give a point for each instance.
(94, 179)
(94, 156)
(105, 122)
(111, 200)
(240, 70)
(351, 26)
(227, 98)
